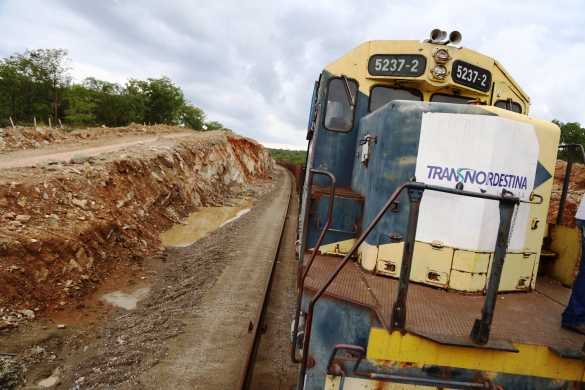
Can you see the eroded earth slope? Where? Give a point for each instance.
(69, 227)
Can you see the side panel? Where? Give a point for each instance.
(345, 219)
(565, 242)
(335, 322)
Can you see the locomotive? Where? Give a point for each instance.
(422, 224)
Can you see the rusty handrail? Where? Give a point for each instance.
(305, 270)
(481, 328)
(245, 377)
(571, 148)
(308, 322)
(396, 378)
(566, 146)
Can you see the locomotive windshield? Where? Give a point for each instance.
(441, 98)
(381, 95)
(338, 110)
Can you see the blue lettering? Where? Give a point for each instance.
(478, 180)
(432, 169)
(470, 175)
(445, 175)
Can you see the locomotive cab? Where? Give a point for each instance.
(419, 213)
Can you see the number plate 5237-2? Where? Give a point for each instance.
(412, 65)
(471, 76)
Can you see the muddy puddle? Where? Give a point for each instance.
(127, 301)
(199, 224)
(48, 382)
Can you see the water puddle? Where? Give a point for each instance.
(238, 215)
(127, 301)
(48, 382)
(199, 224)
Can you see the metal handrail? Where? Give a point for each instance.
(571, 148)
(305, 270)
(481, 329)
(331, 370)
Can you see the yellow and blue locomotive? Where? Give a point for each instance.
(423, 215)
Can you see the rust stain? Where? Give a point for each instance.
(380, 385)
(406, 364)
(296, 170)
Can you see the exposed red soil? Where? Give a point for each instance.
(68, 230)
(574, 194)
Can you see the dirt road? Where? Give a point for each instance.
(20, 159)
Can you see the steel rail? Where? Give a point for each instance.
(245, 377)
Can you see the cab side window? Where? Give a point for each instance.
(509, 105)
(339, 114)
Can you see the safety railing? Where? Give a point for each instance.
(336, 370)
(304, 269)
(571, 149)
(481, 328)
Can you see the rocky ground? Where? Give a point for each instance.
(70, 230)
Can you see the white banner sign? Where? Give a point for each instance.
(486, 154)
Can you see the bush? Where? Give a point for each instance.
(289, 156)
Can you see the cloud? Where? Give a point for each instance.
(251, 65)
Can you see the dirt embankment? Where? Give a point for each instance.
(574, 194)
(67, 228)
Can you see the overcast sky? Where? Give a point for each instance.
(251, 64)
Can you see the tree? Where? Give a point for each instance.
(9, 90)
(37, 83)
(135, 100)
(81, 106)
(107, 98)
(53, 71)
(571, 133)
(165, 101)
(26, 72)
(192, 117)
(214, 125)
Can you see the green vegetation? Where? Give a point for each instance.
(571, 133)
(37, 84)
(289, 156)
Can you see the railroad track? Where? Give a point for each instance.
(259, 325)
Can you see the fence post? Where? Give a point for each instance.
(12, 122)
(60, 123)
(49, 122)
(35, 120)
